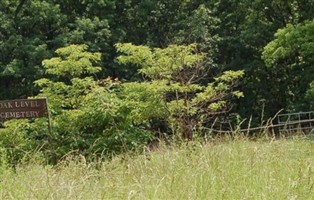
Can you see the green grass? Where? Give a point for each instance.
(282, 169)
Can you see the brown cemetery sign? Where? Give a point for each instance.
(23, 108)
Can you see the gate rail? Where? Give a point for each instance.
(296, 122)
(290, 123)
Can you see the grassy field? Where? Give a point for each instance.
(241, 169)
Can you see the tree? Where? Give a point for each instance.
(245, 28)
(172, 89)
(28, 32)
(290, 58)
(88, 116)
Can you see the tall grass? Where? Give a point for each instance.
(282, 169)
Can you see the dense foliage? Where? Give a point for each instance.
(162, 67)
(173, 87)
(290, 58)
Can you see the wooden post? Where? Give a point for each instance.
(51, 140)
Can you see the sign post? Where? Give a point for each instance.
(52, 144)
(27, 109)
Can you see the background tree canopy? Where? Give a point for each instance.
(139, 44)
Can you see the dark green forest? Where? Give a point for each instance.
(121, 73)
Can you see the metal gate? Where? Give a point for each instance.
(301, 122)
